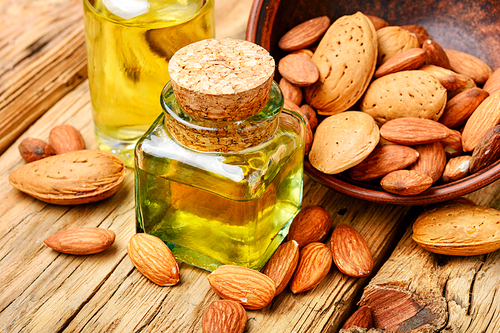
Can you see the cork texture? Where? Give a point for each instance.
(224, 79)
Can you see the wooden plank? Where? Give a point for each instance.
(42, 57)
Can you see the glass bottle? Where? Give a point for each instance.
(220, 191)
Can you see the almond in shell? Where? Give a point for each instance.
(73, 178)
(468, 65)
(65, 139)
(418, 30)
(350, 251)
(311, 224)
(281, 266)
(378, 22)
(458, 229)
(304, 34)
(81, 241)
(484, 117)
(346, 64)
(153, 258)
(224, 316)
(314, 264)
(392, 40)
(252, 289)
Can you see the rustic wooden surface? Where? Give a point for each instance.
(44, 291)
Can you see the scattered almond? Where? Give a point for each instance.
(314, 264)
(281, 266)
(65, 139)
(32, 149)
(81, 241)
(350, 252)
(311, 224)
(224, 316)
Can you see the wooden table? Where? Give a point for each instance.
(43, 84)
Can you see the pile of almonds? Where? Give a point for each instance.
(433, 112)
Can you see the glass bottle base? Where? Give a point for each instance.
(124, 149)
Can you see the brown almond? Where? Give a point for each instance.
(469, 84)
(298, 69)
(469, 65)
(484, 117)
(311, 115)
(453, 144)
(252, 289)
(81, 241)
(224, 316)
(418, 30)
(431, 160)
(281, 266)
(362, 318)
(153, 258)
(290, 91)
(383, 160)
(378, 22)
(449, 79)
(407, 60)
(413, 131)
(289, 105)
(461, 106)
(456, 168)
(65, 139)
(304, 34)
(462, 229)
(351, 253)
(311, 224)
(487, 151)
(314, 264)
(435, 54)
(306, 52)
(406, 182)
(32, 149)
(73, 178)
(493, 83)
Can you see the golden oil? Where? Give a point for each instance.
(129, 44)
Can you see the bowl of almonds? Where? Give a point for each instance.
(401, 98)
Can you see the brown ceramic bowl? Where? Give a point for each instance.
(468, 26)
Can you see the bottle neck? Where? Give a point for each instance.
(221, 136)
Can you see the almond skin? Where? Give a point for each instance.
(224, 316)
(406, 182)
(407, 60)
(81, 241)
(449, 80)
(311, 224)
(73, 178)
(418, 30)
(487, 151)
(468, 65)
(290, 91)
(431, 160)
(453, 144)
(153, 258)
(314, 264)
(281, 266)
(32, 149)
(413, 131)
(65, 139)
(252, 289)
(456, 168)
(299, 69)
(435, 54)
(304, 34)
(486, 115)
(493, 83)
(362, 318)
(461, 106)
(350, 252)
(311, 115)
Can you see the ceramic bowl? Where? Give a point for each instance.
(468, 26)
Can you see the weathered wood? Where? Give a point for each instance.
(42, 57)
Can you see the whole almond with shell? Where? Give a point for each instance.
(304, 34)
(378, 22)
(435, 54)
(82, 241)
(484, 117)
(461, 106)
(32, 149)
(346, 64)
(73, 178)
(450, 80)
(414, 131)
(298, 69)
(406, 182)
(351, 253)
(410, 59)
(404, 94)
(282, 265)
(431, 160)
(252, 289)
(65, 139)
(487, 151)
(224, 316)
(311, 224)
(383, 160)
(314, 264)
(456, 168)
(469, 65)
(392, 40)
(153, 258)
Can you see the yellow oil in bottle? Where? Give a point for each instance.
(129, 44)
(225, 208)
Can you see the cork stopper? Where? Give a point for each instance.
(222, 79)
